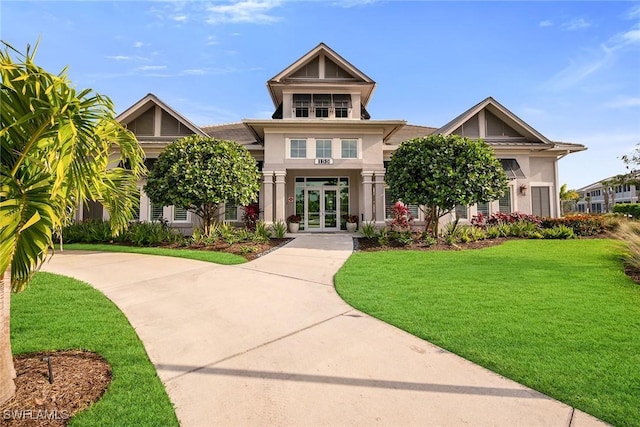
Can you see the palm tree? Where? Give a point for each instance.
(569, 199)
(58, 147)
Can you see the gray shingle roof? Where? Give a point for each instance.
(232, 132)
(409, 132)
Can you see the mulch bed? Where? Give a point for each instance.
(80, 378)
(371, 245)
(248, 250)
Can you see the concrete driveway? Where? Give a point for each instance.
(271, 343)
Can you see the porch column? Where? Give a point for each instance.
(379, 201)
(367, 191)
(281, 199)
(266, 194)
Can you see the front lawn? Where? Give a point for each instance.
(198, 255)
(558, 316)
(57, 312)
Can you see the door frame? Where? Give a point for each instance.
(322, 189)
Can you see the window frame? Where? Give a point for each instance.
(348, 150)
(299, 149)
(327, 145)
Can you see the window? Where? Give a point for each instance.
(341, 104)
(504, 202)
(461, 212)
(323, 148)
(301, 104)
(388, 207)
(321, 104)
(179, 214)
(342, 113)
(299, 148)
(230, 212)
(156, 212)
(483, 208)
(349, 148)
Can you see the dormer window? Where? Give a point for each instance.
(342, 103)
(302, 104)
(321, 105)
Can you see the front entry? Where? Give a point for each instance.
(321, 209)
(321, 202)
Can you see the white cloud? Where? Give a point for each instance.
(245, 11)
(545, 23)
(354, 3)
(211, 41)
(633, 35)
(628, 102)
(575, 24)
(120, 57)
(180, 18)
(633, 13)
(138, 45)
(195, 72)
(582, 67)
(151, 67)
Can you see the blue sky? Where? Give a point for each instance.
(569, 69)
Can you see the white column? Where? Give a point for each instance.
(280, 199)
(367, 192)
(379, 199)
(266, 194)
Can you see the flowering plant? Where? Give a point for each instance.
(353, 219)
(295, 218)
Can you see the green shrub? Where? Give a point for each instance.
(493, 232)
(630, 209)
(477, 233)
(279, 229)
(262, 233)
(90, 231)
(427, 239)
(582, 225)
(558, 232)
(368, 229)
(383, 237)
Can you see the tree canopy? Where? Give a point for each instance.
(198, 173)
(439, 172)
(58, 148)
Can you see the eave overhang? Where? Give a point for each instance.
(258, 127)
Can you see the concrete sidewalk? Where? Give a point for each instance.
(271, 343)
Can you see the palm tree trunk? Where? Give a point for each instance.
(7, 370)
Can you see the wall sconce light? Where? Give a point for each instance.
(523, 189)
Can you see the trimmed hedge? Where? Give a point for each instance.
(582, 225)
(631, 209)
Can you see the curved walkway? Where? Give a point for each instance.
(271, 343)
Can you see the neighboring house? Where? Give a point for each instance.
(322, 156)
(600, 198)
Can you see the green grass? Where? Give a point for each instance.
(208, 256)
(558, 316)
(58, 313)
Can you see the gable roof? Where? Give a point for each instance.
(409, 131)
(503, 114)
(142, 105)
(288, 75)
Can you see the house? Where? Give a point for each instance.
(601, 196)
(322, 155)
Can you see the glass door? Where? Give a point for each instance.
(322, 210)
(330, 208)
(313, 209)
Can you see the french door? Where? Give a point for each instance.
(321, 208)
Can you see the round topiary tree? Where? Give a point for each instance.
(439, 172)
(198, 173)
